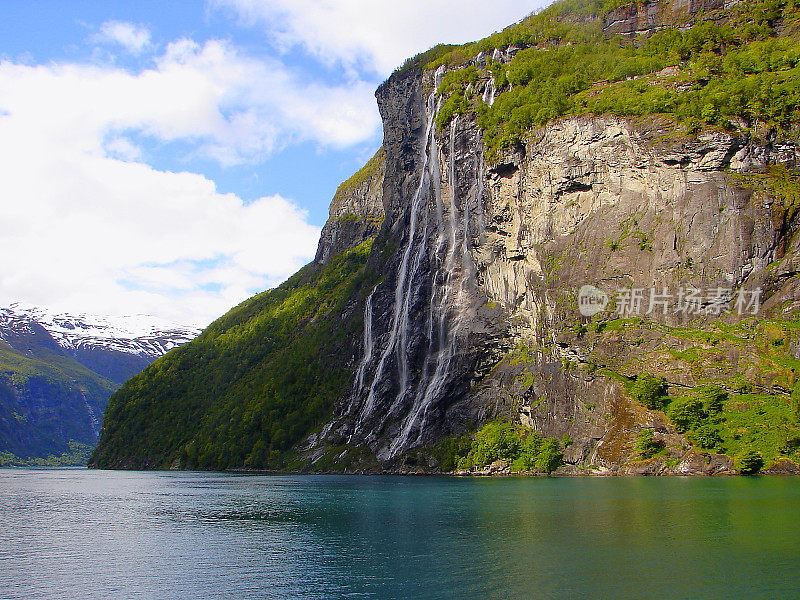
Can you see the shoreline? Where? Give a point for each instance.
(777, 470)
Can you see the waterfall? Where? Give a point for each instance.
(412, 256)
(438, 77)
(447, 311)
(95, 423)
(369, 343)
(437, 235)
(488, 93)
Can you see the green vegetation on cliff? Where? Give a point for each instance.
(364, 174)
(649, 390)
(741, 73)
(523, 450)
(647, 446)
(51, 368)
(744, 395)
(732, 411)
(778, 184)
(252, 385)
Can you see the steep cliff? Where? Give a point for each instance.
(356, 211)
(586, 234)
(611, 203)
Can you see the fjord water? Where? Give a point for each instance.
(99, 534)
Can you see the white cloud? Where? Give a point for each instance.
(121, 147)
(134, 38)
(88, 228)
(235, 107)
(106, 236)
(377, 35)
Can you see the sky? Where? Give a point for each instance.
(174, 158)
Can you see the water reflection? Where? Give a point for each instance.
(102, 535)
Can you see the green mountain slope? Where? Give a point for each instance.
(44, 401)
(253, 384)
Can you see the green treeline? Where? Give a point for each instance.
(254, 383)
(521, 449)
(77, 455)
(743, 74)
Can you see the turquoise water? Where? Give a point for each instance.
(75, 534)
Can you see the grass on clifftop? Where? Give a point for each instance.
(743, 74)
(364, 174)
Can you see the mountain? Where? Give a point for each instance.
(115, 347)
(57, 372)
(575, 250)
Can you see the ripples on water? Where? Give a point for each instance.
(77, 534)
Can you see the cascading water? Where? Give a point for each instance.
(488, 92)
(369, 342)
(412, 255)
(441, 236)
(448, 312)
(93, 420)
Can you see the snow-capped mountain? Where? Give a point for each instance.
(58, 370)
(115, 347)
(142, 335)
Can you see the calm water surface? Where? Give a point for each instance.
(78, 534)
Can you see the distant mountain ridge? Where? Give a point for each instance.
(57, 371)
(115, 347)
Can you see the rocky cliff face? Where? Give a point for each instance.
(621, 204)
(476, 316)
(424, 319)
(356, 211)
(648, 17)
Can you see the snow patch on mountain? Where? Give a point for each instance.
(140, 335)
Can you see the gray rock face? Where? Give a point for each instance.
(620, 207)
(648, 17)
(617, 204)
(356, 212)
(610, 203)
(478, 260)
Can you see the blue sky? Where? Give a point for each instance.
(174, 158)
(40, 32)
